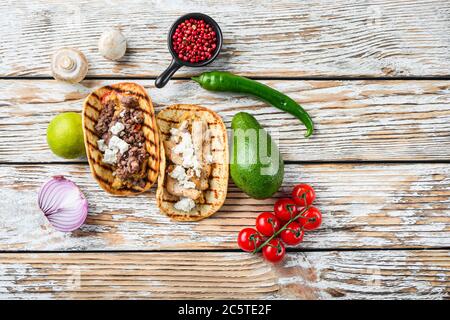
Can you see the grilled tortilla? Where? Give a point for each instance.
(103, 173)
(216, 193)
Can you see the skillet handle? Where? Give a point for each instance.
(164, 77)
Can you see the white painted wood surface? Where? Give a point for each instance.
(375, 205)
(316, 38)
(206, 275)
(355, 120)
(364, 206)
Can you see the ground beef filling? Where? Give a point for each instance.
(130, 165)
(104, 119)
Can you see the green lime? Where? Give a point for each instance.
(65, 135)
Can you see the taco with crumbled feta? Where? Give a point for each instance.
(121, 138)
(193, 179)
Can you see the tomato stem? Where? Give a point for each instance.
(289, 208)
(283, 227)
(252, 237)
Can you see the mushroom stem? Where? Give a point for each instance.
(69, 65)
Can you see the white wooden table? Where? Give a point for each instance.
(374, 75)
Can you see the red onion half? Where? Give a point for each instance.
(63, 203)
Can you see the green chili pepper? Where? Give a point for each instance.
(226, 81)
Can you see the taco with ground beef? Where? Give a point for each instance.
(121, 138)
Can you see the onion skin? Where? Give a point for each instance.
(63, 204)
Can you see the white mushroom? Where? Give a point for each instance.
(69, 65)
(112, 44)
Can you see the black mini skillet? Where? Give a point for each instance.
(177, 63)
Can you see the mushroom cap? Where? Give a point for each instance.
(69, 65)
(112, 44)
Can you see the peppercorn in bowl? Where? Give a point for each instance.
(194, 40)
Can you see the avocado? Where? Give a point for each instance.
(256, 165)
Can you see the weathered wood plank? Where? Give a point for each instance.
(355, 120)
(364, 206)
(274, 38)
(202, 275)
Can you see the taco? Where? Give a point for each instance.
(121, 138)
(193, 179)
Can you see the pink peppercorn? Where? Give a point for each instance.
(194, 40)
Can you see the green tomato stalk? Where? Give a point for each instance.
(277, 233)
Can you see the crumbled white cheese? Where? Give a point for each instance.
(187, 184)
(101, 145)
(186, 149)
(117, 143)
(117, 128)
(110, 156)
(122, 113)
(179, 173)
(175, 135)
(185, 204)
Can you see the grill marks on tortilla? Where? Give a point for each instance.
(95, 96)
(167, 134)
(88, 106)
(127, 91)
(176, 122)
(91, 111)
(91, 106)
(218, 181)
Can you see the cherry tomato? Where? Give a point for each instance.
(274, 251)
(293, 234)
(311, 219)
(249, 239)
(302, 190)
(285, 209)
(267, 224)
